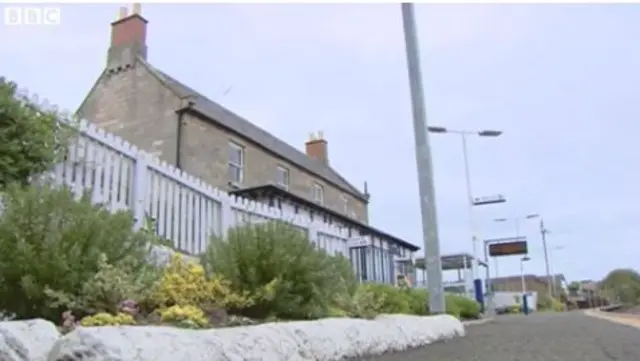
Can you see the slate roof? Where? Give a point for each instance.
(227, 119)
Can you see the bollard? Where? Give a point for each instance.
(525, 304)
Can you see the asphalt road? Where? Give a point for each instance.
(569, 336)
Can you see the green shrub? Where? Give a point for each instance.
(186, 284)
(107, 319)
(305, 282)
(184, 316)
(451, 306)
(50, 240)
(515, 309)
(372, 299)
(105, 291)
(465, 307)
(546, 303)
(418, 301)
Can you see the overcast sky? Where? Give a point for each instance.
(560, 81)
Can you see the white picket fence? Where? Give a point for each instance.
(186, 210)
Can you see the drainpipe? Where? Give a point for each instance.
(180, 113)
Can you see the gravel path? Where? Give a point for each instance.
(569, 336)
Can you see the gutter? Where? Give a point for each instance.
(180, 113)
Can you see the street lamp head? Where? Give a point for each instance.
(525, 259)
(433, 129)
(489, 133)
(532, 216)
(500, 220)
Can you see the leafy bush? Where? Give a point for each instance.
(281, 271)
(372, 299)
(546, 303)
(108, 288)
(185, 283)
(339, 292)
(418, 300)
(468, 308)
(452, 307)
(514, 309)
(184, 316)
(107, 319)
(31, 138)
(49, 240)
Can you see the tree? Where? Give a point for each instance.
(32, 138)
(623, 285)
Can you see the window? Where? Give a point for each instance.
(345, 203)
(318, 193)
(282, 177)
(236, 163)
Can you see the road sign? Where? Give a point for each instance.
(512, 248)
(482, 201)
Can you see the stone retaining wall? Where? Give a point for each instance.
(322, 340)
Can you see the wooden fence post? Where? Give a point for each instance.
(139, 189)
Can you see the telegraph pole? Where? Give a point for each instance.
(543, 233)
(424, 165)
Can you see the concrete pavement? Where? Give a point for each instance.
(567, 336)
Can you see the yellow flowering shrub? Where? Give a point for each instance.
(107, 319)
(185, 283)
(186, 316)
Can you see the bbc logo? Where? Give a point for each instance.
(31, 16)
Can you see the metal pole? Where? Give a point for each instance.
(424, 165)
(543, 233)
(488, 309)
(523, 283)
(477, 283)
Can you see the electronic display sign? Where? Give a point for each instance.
(508, 248)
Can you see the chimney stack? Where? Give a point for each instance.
(316, 147)
(128, 38)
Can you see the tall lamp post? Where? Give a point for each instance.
(477, 283)
(424, 164)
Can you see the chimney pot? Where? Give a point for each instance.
(316, 148)
(137, 8)
(128, 37)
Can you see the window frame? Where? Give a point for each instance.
(345, 204)
(317, 189)
(233, 146)
(282, 171)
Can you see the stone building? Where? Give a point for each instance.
(152, 110)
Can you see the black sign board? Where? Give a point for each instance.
(508, 248)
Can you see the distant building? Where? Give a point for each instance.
(535, 283)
